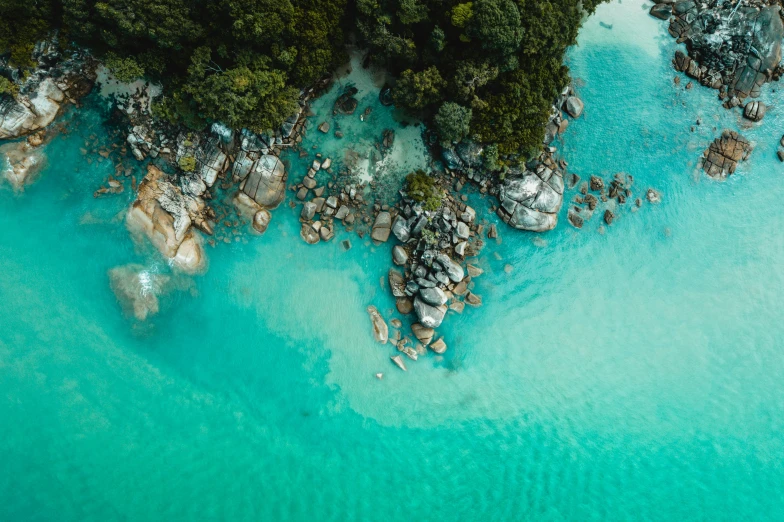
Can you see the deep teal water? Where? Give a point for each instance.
(634, 374)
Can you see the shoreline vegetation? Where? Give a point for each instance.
(237, 82)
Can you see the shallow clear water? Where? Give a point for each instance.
(634, 374)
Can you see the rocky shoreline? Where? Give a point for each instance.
(204, 188)
(735, 48)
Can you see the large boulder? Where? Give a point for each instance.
(266, 181)
(723, 155)
(574, 106)
(165, 215)
(754, 110)
(381, 227)
(531, 200)
(32, 112)
(429, 316)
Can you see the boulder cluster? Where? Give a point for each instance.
(55, 81)
(721, 158)
(734, 47)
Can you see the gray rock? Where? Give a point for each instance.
(399, 255)
(397, 283)
(308, 211)
(754, 111)
(433, 296)
(380, 328)
(661, 11)
(381, 227)
(462, 230)
(429, 316)
(400, 229)
(309, 234)
(453, 270)
(531, 200)
(342, 212)
(573, 106)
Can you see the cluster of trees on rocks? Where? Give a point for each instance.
(484, 69)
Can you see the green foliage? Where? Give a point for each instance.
(496, 25)
(500, 59)
(8, 87)
(453, 122)
(418, 90)
(187, 163)
(490, 158)
(462, 14)
(124, 69)
(411, 12)
(422, 188)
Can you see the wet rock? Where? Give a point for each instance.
(429, 316)
(661, 11)
(723, 155)
(22, 163)
(433, 296)
(439, 346)
(404, 305)
(754, 111)
(380, 328)
(653, 196)
(531, 200)
(597, 183)
(137, 289)
(575, 218)
(453, 270)
(381, 227)
(261, 220)
(609, 216)
(473, 299)
(397, 283)
(573, 106)
(266, 182)
(423, 334)
(399, 362)
(324, 127)
(399, 255)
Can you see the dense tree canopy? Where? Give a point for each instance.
(484, 69)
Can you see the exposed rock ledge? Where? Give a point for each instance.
(165, 215)
(44, 92)
(531, 200)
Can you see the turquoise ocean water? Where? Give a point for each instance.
(632, 373)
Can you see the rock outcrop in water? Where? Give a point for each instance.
(23, 162)
(723, 155)
(44, 91)
(166, 215)
(531, 199)
(137, 289)
(734, 47)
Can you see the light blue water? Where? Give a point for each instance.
(630, 375)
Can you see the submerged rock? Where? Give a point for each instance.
(380, 328)
(137, 289)
(261, 220)
(23, 163)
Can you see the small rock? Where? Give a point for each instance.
(438, 346)
(399, 362)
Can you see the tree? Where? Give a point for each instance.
(418, 90)
(8, 87)
(411, 12)
(462, 14)
(124, 69)
(453, 122)
(250, 95)
(496, 24)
